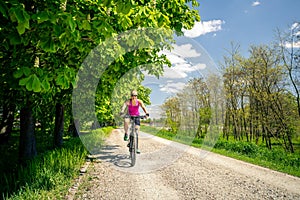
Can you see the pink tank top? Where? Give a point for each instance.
(133, 109)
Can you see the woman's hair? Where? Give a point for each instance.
(133, 92)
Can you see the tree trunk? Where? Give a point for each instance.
(59, 125)
(7, 122)
(27, 146)
(226, 127)
(72, 128)
(291, 148)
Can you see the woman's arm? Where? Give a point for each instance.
(124, 106)
(143, 106)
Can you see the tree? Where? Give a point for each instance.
(189, 110)
(257, 98)
(232, 78)
(172, 110)
(200, 96)
(290, 55)
(44, 43)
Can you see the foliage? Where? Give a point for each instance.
(50, 171)
(258, 103)
(290, 55)
(44, 43)
(190, 109)
(50, 174)
(93, 140)
(277, 159)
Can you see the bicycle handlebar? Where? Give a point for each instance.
(135, 116)
(139, 116)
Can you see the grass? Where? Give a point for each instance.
(276, 159)
(50, 174)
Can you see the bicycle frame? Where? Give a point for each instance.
(133, 139)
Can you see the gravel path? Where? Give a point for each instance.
(168, 170)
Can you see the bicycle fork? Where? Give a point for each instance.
(137, 138)
(133, 135)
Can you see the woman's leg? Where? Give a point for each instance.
(126, 125)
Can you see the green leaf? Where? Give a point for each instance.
(48, 45)
(21, 29)
(36, 84)
(127, 8)
(3, 9)
(39, 72)
(26, 71)
(42, 17)
(14, 38)
(62, 81)
(19, 14)
(26, 16)
(63, 39)
(29, 83)
(12, 15)
(86, 25)
(72, 24)
(24, 81)
(57, 30)
(126, 22)
(46, 84)
(18, 73)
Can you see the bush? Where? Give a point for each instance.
(245, 148)
(50, 171)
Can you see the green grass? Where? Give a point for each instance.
(50, 174)
(276, 159)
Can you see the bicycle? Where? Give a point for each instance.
(133, 138)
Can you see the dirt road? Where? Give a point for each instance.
(168, 170)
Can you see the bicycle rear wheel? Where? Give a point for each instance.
(133, 149)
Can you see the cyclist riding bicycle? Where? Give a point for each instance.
(132, 105)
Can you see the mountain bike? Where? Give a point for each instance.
(133, 138)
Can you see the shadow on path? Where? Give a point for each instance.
(108, 153)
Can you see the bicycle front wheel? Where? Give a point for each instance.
(133, 148)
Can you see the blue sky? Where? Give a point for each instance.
(200, 51)
(245, 22)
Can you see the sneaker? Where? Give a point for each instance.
(138, 151)
(126, 137)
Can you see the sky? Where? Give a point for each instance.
(245, 22)
(200, 51)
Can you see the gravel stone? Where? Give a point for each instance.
(168, 170)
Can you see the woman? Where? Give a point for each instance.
(132, 105)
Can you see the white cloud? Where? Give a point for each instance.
(172, 87)
(181, 58)
(174, 59)
(171, 73)
(202, 28)
(295, 28)
(295, 25)
(180, 67)
(155, 111)
(256, 3)
(200, 66)
(295, 45)
(185, 51)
